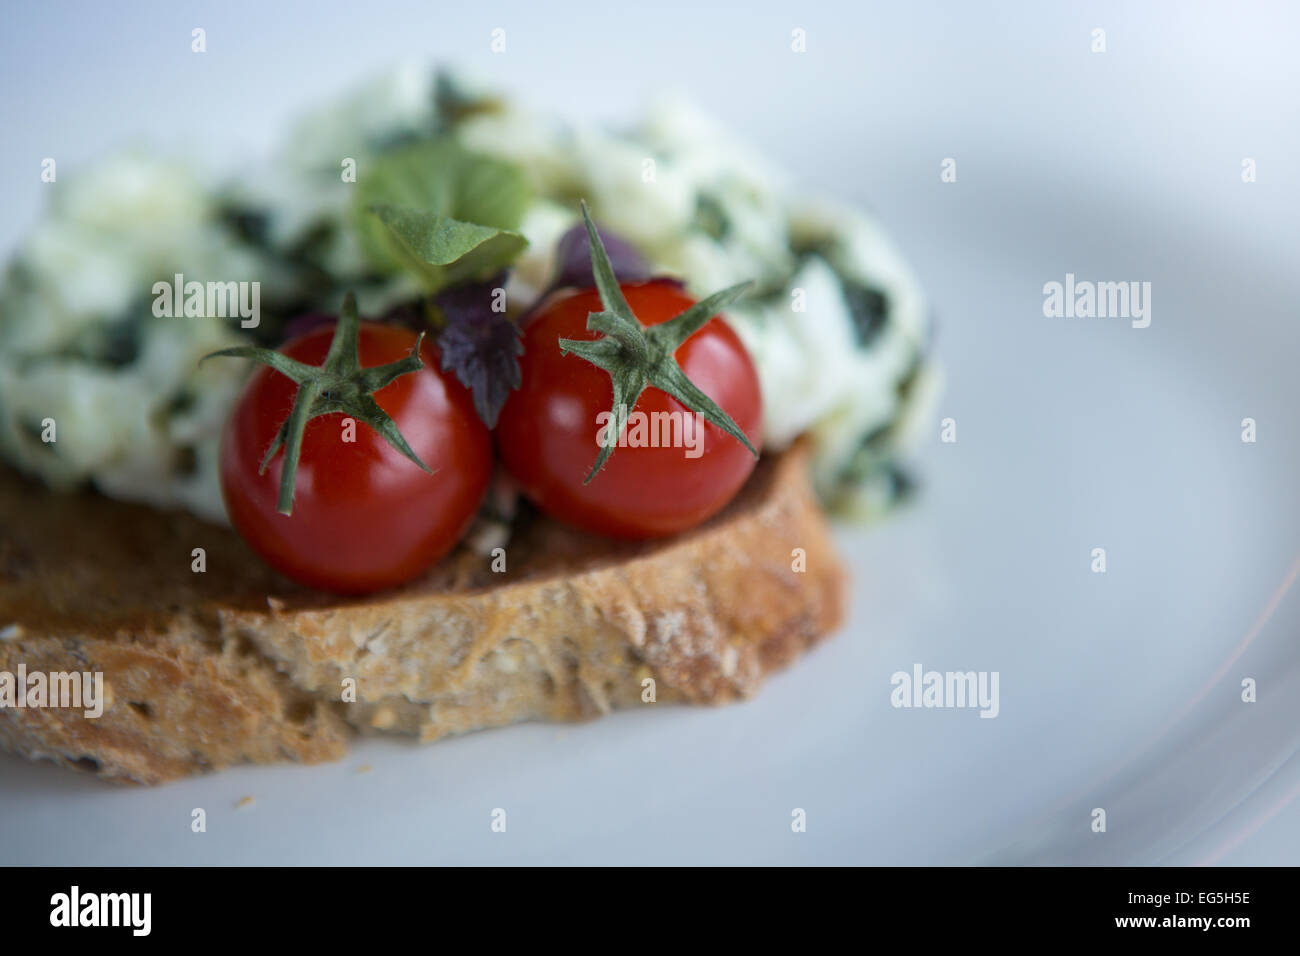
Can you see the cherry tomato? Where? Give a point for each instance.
(365, 517)
(547, 432)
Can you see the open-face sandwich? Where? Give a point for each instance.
(579, 455)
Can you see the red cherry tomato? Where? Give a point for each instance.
(547, 432)
(365, 517)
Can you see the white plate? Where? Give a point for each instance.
(1119, 691)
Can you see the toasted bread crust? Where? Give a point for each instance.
(236, 664)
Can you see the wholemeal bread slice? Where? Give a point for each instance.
(232, 664)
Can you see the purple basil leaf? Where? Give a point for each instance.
(573, 259)
(480, 346)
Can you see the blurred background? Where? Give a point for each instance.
(1119, 691)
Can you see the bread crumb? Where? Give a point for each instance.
(384, 718)
(507, 659)
(274, 603)
(668, 625)
(365, 768)
(246, 802)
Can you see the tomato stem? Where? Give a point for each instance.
(636, 357)
(339, 385)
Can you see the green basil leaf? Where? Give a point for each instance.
(443, 250)
(442, 178)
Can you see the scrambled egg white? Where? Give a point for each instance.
(837, 325)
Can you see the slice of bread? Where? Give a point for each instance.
(232, 664)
